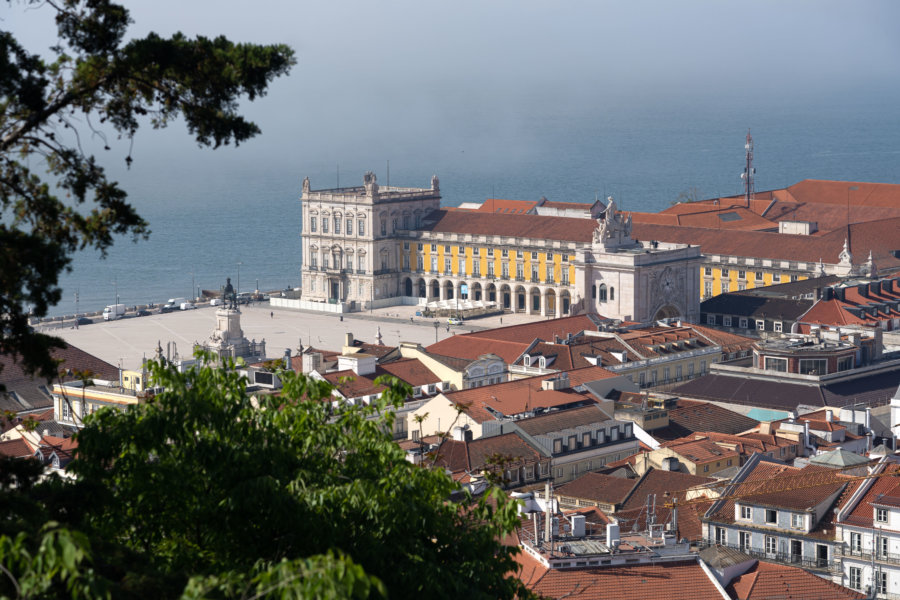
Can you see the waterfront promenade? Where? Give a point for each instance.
(128, 341)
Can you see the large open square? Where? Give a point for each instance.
(127, 341)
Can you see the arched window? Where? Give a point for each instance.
(526, 360)
(542, 362)
(601, 293)
(594, 291)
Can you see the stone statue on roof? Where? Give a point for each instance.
(614, 228)
(306, 185)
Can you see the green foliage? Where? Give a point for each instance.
(205, 491)
(99, 82)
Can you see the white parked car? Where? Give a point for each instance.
(215, 302)
(187, 306)
(455, 321)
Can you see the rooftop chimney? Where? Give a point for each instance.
(348, 339)
(612, 535)
(829, 416)
(287, 359)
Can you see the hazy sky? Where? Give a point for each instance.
(414, 78)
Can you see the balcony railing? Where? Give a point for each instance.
(806, 562)
(868, 554)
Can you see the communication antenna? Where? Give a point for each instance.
(749, 174)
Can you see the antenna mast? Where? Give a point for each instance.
(749, 173)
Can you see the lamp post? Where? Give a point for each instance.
(193, 287)
(435, 331)
(239, 263)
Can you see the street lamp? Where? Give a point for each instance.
(239, 263)
(435, 331)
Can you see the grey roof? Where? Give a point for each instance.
(794, 289)
(873, 390)
(838, 458)
(741, 304)
(563, 419)
(722, 557)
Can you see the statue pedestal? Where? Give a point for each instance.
(228, 340)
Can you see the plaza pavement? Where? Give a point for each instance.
(127, 341)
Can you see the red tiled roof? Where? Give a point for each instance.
(886, 486)
(570, 229)
(351, 385)
(672, 581)
(767, 580)
(410, 370)
(879, 237)
(781, 486)
(507, 207)
(598, 488)
(17, 448)
(483, 452)
(521, 395)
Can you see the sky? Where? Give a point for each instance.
(414, 80)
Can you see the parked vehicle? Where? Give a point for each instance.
(113, 312)
(215, 302)
(144, 313)
(455, 321)
(165, 308)
(175, 303)
(83, 321)
(187, 306)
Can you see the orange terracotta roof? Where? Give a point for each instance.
(885, 487)
(521, 395)
(17, 448)
(672, 580)
(768, 580)
(410, 370)
(351, 385)
(597, 487)
(507, 207)
(511, 225)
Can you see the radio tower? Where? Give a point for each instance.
(749, 171)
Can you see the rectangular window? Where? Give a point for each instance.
(775, 364)
(504, 253)
(446, 266)
(881, 515)
(534, 256)
(724, 273)
(447, 249)
(383, 227)
(759, 275)
(881, 582)
(771, 516)
(707, 289)
(665, 374)
(746, 512)
(534, 274)
(405, 221)
(406, 262)
(690, 369)
(313, 223)
(760, 325)
(642, 379)
(678, 373)
(314, 260)
(883, 547)
(779, 326)
(845, 364)
(710, 319)
(504, 272)
(743, 323)
(771, 544)
(361, 227)
(324, 224)
(707, 271)
(726, 321)
(855, 542)
(361, 261)
(520, 271)
(490, 265)
(813, 366)
(720, 535)
(742, 287)
(434, 264)
(744, 540)
(337, 224)
(564, 280)
(476, 267)
(349, 226)
(702, 367)
(856, 578)
(742, 275)
(461, 267)
(433, 248)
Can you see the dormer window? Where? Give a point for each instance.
(746, 512)
(542, 362)
(881, 515)
(526, 360)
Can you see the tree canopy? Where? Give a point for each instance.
(205, 491)
(55, 197)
